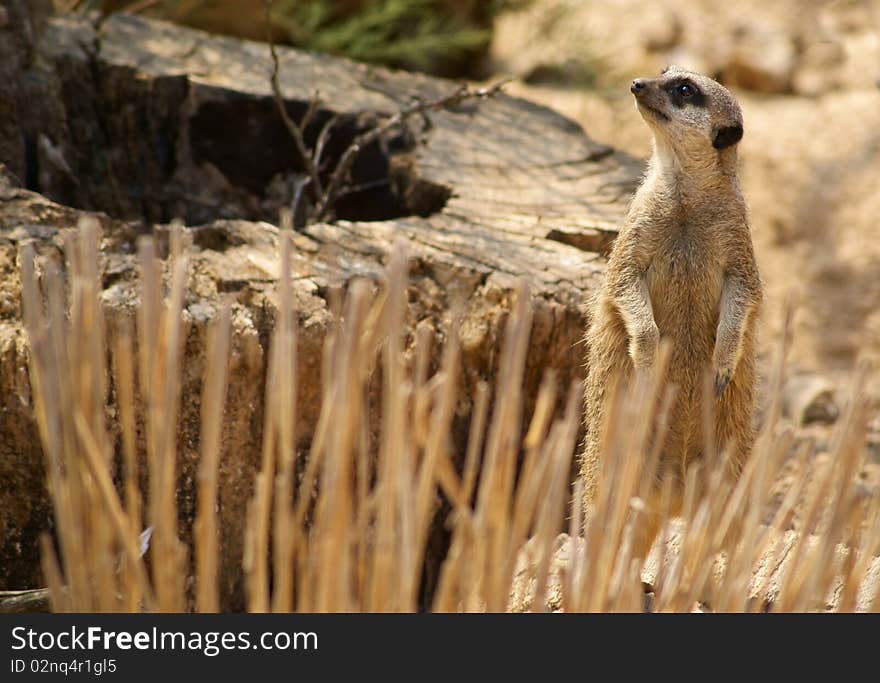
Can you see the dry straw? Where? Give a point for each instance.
(352, 534)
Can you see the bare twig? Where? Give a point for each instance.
(140, 6)
(325, 198)
(296, 131)
(361, 187)
(314, 105)
(419, 108)
(298, 211)
(323, 137)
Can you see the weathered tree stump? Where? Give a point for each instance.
(138, 122)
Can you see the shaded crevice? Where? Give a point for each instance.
(245, 140)
(31, 162)
(596, 241)
(157, 149)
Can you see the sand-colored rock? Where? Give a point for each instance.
(810, 398)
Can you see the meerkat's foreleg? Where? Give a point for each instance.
(633, 301)
(735, 308)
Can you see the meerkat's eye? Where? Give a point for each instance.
(686, 90)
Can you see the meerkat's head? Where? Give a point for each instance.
(690, 113)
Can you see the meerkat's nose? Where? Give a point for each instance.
(637, 86)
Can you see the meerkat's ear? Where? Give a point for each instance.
(727, 136)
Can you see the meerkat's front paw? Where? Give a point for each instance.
(643, 346)
(722, 379)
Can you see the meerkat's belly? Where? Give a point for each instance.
(685, 285)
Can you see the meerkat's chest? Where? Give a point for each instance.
(686, 274)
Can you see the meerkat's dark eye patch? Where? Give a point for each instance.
(684, 92)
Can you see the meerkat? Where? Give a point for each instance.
(681, 269)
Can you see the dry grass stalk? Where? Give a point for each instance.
(345, 526)
(207, 540)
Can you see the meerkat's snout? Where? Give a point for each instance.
(650, 100)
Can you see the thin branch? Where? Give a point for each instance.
(323, 137)
(314, 105)
(299, 217)
(296, 131)
(324, 198)
(140, 6)
(340, 174)
(361, 187)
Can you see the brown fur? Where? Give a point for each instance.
(682, 269)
